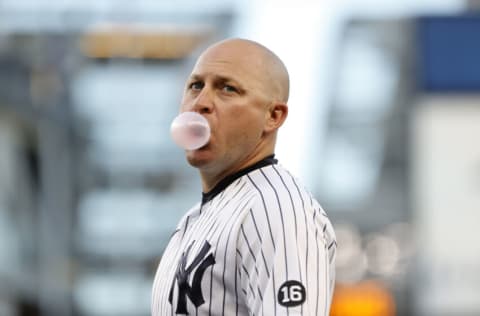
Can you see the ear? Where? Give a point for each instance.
(275, 116)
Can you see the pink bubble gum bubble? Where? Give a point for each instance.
(190, 130)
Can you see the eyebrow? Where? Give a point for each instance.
(217, 78)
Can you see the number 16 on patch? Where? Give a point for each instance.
(291, 293)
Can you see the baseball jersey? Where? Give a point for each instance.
(257, 244)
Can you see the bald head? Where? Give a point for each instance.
(268, 67)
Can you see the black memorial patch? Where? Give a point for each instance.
(291, 293)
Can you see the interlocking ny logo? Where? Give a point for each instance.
(194, 292)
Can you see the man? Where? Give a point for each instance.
(258, 243)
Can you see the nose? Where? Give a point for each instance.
(203, 103)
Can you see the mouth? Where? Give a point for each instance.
(204, 147)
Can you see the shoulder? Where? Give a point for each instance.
(278, 187)
(282, 200)
(192, 212)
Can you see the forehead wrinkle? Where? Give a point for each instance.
(205, 68)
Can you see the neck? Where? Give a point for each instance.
(225, 182)
(210, 178)
(214, 172)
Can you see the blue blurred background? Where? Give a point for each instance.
(384, 128)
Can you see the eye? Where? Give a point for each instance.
(228, 88)
(196, 85)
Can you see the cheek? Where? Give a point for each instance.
(184, 105)
(244, 128)
(239, 123)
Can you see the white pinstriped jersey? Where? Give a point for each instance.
(258, 244)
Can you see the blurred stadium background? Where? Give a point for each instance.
(384, 128)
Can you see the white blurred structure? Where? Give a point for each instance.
(446, 179)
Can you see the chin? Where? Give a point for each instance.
(199, 158)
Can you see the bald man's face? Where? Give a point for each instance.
(230, 87)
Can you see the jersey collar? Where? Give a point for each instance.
(225, 182)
